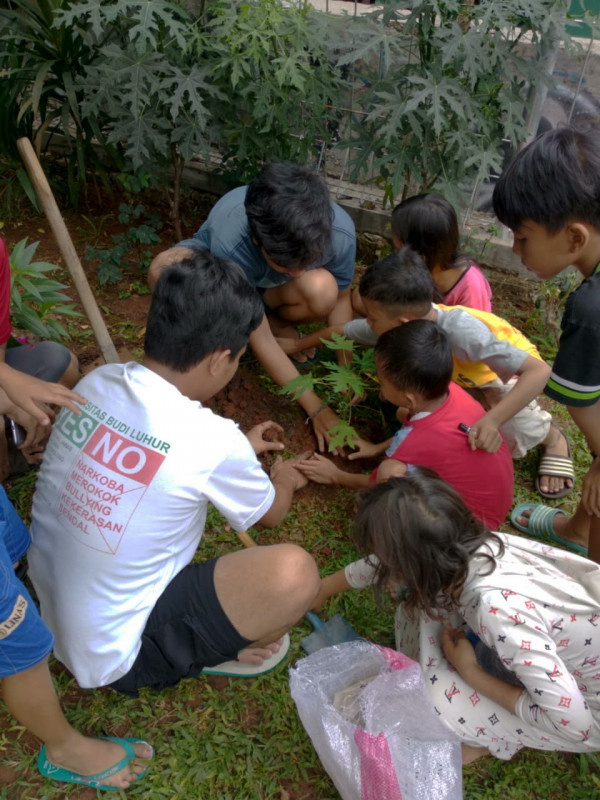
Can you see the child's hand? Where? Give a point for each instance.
(458, 650)
(281, 470)
(364, 449)
(322, 424)
(319, 469)
(358, 398)
(32, 395)
(256, 437)
(484, 435)
(37, 434)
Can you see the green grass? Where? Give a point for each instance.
(241, 738)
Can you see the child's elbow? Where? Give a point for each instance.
(537, 367)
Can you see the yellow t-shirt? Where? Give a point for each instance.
(471, 373)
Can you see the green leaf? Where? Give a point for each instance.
(97, 12)
(342, 435)
(298, 385)
(339, 342)
(149, 17)
(342, 379)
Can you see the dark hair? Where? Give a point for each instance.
(400, 280)
(428, 223)
(552, 181)
(416, 356)
(423, 536)
(200, 305)
(289, 214)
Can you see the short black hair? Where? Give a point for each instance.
(416, 356)
(552, 181)
(200, 305)
(428, 223)
(290, 214)
(400, 281)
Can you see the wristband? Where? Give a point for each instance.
(314, 414)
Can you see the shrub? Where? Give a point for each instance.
(35, 299)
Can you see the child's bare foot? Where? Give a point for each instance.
(256, 655)
(86, 756)
(555, 484)
(561, 525)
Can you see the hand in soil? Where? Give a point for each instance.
(290, 466)
(319, 469)
(364, 449)
(259, 443)
(322, 424)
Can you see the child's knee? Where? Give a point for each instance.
(71, 375)
(298, 572)
(320, 292)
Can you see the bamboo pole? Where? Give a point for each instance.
(67, 249)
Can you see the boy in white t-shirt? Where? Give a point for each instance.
(122, 496)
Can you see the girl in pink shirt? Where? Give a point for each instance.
(428, 223)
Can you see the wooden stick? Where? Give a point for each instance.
(246, 539)
(67, 249)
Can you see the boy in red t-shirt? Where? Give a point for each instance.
(414, 366)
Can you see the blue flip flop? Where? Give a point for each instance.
(540, 524)
(55, 773)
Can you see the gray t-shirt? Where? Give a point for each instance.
(470, 339)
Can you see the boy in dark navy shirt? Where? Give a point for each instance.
(549, 196)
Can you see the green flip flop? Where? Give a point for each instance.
(55, 773)
(540, 525)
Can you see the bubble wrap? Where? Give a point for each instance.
(402, 751)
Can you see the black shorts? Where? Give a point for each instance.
(187, 631)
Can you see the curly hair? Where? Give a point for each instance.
(424, 537)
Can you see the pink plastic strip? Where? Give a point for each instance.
(395, 658)
(377, 774)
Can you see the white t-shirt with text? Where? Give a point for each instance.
(120, 507)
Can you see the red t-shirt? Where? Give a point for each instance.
(5, 326)
(484, 480)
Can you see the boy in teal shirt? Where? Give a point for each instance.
(549, 196)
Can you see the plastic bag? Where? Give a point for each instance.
(373, 725)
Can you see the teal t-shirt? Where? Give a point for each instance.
(226, 234)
